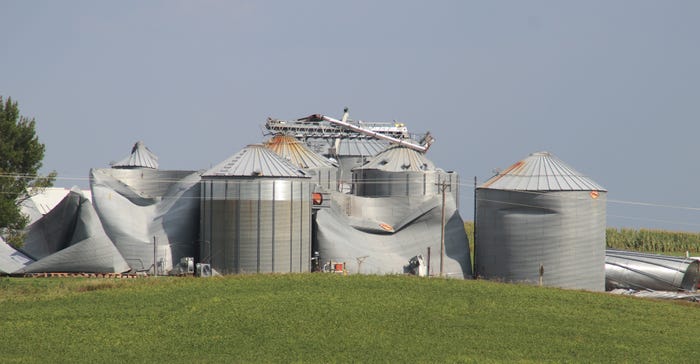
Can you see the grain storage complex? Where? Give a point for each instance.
(342, 196)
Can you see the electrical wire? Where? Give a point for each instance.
(461, 184)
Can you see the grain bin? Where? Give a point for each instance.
(349, 152)
(321, 170)
(644, 271)
(256, 214)
(151, 215)
(402, 171)
(541, 222)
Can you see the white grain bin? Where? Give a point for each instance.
(540, 221)
(256, 214)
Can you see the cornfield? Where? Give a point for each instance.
(653, 241)
(642, 240)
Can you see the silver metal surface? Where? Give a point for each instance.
(70, 238)
(563, 232)
(376, 134)
(255, 161)
(400, 171)
(10, 259)
(316, 126)
(381, 235)
(376, 183)
(642, 271)
(667, 295)
(257, 225)
(256, 214)
(297, 152)
(142, 208)
(541, 171)
(398, 158)
(140, 157)
(321, 170)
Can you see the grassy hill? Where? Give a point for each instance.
(332, 318)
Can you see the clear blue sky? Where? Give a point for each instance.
(610, 87)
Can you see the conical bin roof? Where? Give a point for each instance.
(255, 160)
(297, 152)
(541, 171)
(398, 158)
(140, 157)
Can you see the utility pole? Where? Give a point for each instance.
(443, 186)
(475, 273)
(429, 262)
(155, 253)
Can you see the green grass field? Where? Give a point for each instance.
(332, 318)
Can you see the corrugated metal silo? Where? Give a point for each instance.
(151, 215)
(350, 152)
(256, 214)
(540, 221)
(401, 171)
(321, 170)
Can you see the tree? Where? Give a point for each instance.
(21, 155)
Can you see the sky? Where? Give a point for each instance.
(610, 87)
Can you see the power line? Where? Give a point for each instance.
(230, 181)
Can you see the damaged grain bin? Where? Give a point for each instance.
(321, 170)
(402, 171)
(151, 215)
(256, 214)
(643, 271)
(540, 221)
(382, 228)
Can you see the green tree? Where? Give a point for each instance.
(21, 155)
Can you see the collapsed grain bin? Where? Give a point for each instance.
(643, 271)
(395, 216)
(321, 170)
(70, 238)
(11, 260)
(151, 215)
(256, 214)
(402, 171)
(541, 222)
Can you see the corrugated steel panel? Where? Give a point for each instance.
(345, 147)
(634, 270)
(360, 147)
(400, 159)
(259, 225)
(255, 161)
(138, 207)
(541, 171)
(380, 235)
(10, 259)
(43, 200)
(517, 232)
(71, 239)
(297, 152)
(375, 183)
(140, 157)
